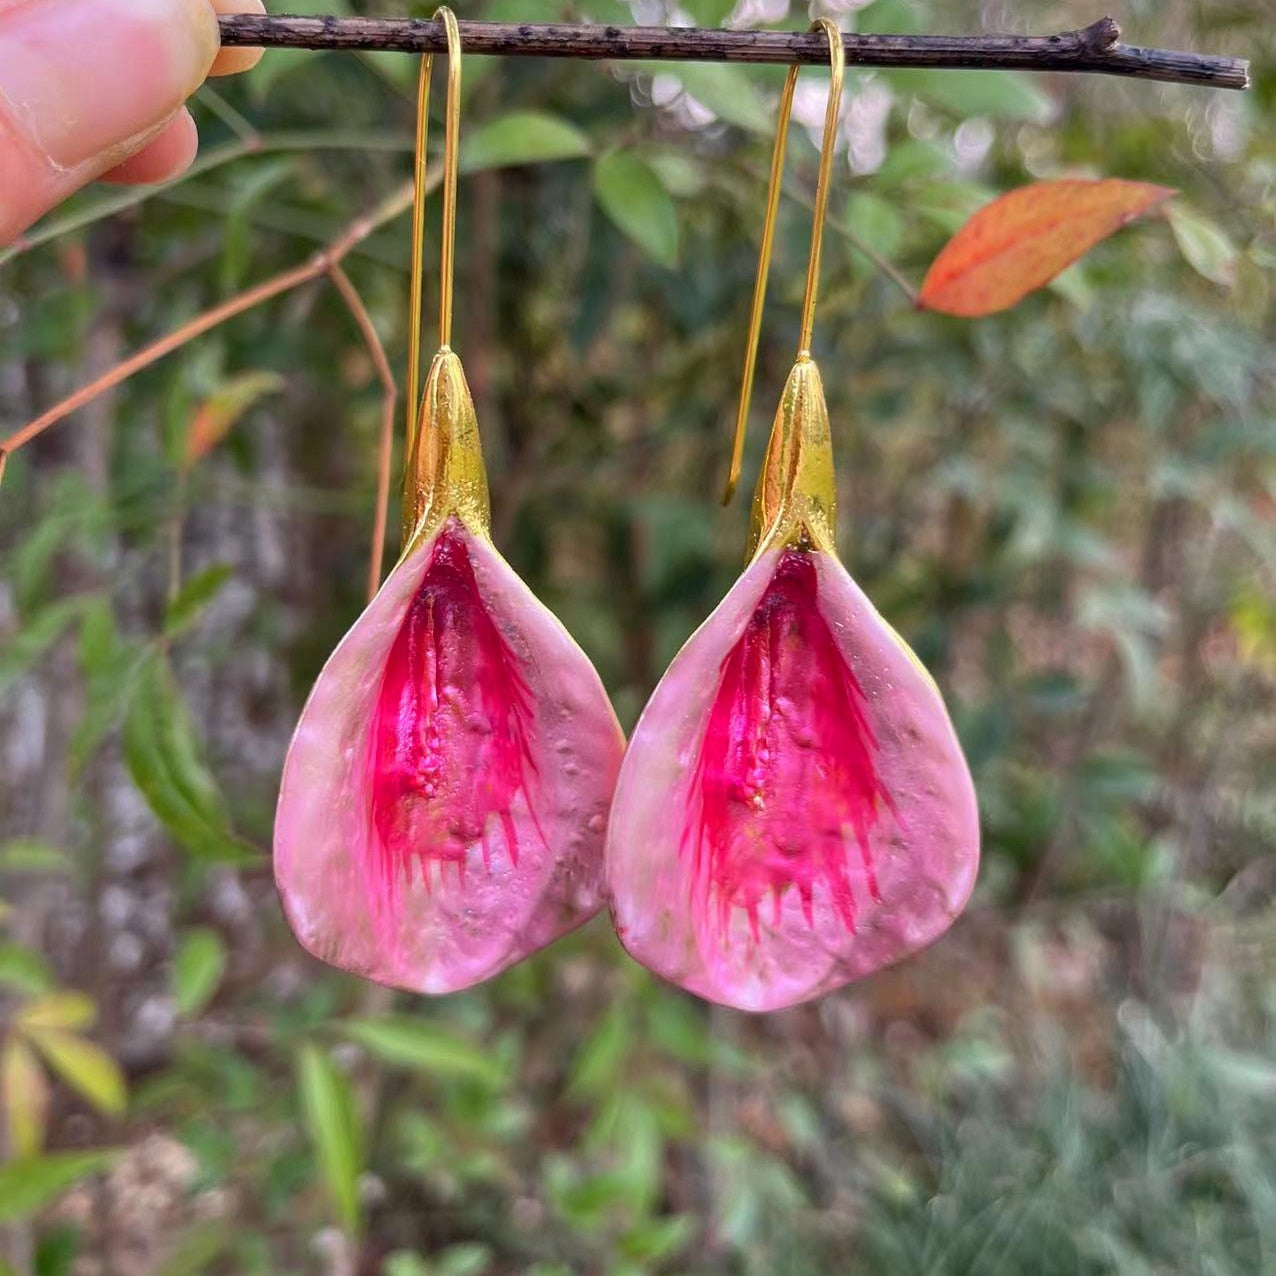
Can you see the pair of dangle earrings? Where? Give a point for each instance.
(792, 812)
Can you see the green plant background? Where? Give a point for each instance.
(1068, 510)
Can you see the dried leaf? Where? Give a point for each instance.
(24, 1096)
(83, 1066)
(219, 412)
(66, 1010)
(1023, 239)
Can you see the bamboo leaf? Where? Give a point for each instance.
(84, 1066)
(165, 761)
(24, 1094)
(24, 969)
(218, 413)
(329, 1112)
(414, 1043)
(31, 1182)
(65, 1010)
(194, 596)
(197, 970)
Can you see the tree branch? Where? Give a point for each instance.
(323, 262)
(1095, 48)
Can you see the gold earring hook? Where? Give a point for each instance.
(451, 155)
(837, 66)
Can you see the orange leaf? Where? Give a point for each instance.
(1023, 239)
(221, 410)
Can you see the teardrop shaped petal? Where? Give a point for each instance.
(794, 810)
(445, 796)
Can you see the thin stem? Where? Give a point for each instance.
(354, 303)
(1092, 49)
(397, 203)
(239, 124)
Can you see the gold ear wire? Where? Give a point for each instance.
(837, 65)
(451, 154)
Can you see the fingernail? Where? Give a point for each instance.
(85, 78)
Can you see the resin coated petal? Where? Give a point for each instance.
(445, 796)
(794, 810)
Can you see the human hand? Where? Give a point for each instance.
(94, 88)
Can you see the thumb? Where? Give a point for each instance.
(85, 83)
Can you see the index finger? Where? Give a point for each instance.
(232, 61)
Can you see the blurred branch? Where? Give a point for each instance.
(1095, 48)
(321, 263)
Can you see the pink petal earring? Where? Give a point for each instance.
(444, 798)
(794, 810)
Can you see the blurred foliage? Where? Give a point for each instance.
(1067, 509)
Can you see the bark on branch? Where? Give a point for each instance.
(1095, 48)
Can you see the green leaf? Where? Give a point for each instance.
(31, 1182)
(194, 596)
(709, 13)
(680, 174)
(414, 1043)
(1204, 245)
(328, 1108)
(727, 90)
(108, 664)
(598, 1064)
(24, 969)
(197, 970)
(632, 195)
(198, 1248)
(1006, 95)
(164, 760)
(875, 223)
(522, 137)
(890, 17)
(65, 1010)
(83, 1066)
(27, 855)
(35, 636)
(237, 231)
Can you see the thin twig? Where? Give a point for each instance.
(321, 263)
(1095, 48)
(238, 123)
(354, 303)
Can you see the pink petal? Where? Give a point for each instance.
(794, 810)
(445, 796)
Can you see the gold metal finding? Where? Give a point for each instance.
(443, 472)
(795, 493)
(451, 148)
(445, 475)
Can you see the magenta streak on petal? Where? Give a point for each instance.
(450, 746)
(787, 764)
